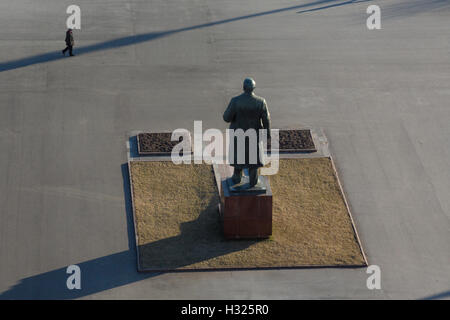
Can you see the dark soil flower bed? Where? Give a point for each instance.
(156, 143)
(295, 141)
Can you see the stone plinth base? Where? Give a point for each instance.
(247, 213)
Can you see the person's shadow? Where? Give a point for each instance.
(150, 36)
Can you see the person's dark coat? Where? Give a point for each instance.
(69, 38)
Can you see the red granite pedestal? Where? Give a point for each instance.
(246, 214)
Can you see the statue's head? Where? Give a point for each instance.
(249, 85)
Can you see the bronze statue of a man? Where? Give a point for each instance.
(247, 111)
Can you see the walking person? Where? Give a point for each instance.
(69, 43)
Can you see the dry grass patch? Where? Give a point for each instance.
(177, 222)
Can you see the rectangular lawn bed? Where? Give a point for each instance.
(178, 228)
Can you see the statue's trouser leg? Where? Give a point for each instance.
(253, 175)
(237, 174)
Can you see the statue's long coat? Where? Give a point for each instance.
(247, 111)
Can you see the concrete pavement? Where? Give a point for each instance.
(380, 96)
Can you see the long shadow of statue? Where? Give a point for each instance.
(199, 240)
(97, 275)
(198, 246)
